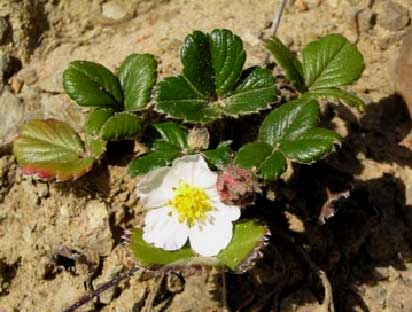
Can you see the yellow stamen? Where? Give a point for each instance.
(192, 203)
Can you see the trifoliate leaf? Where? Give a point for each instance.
(51, 149)
(287, 61)
(228, 57)
(197, 67)
(173, 133)
(177, 98)
(331, 61)
(212, 83)
(218, 157)
(248, 237)
(94, 122)
(148, 255)
(289, 121)
(92, 85)
(255, 92)
(252, 155)
(310, 146)
(148, 162)
(337, 95)
(121, 126)
(273, 166)
(137, 76)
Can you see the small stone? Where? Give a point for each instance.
(42, 190)
(382, 273)
(366, 20)
(16, 84)
(198, 138)
(4, 29)
(97, 214)
(392, 16)
(301, 5)
(12, 111)
(113, 10)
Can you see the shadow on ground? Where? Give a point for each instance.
(371, 228)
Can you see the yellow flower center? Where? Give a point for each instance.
(192, 203)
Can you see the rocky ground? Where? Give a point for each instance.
(60, 241)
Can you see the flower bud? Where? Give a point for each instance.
(237, 186)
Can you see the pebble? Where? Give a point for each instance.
(12, 111)
(113, 10)
(392, 16)
(366, 20)
(301, 5)
(97, 214)
(16, 84)
(42, 190)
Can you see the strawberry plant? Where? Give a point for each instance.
(194, 189)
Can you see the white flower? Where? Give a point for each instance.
(183, 203)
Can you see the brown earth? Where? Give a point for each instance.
(60, 241)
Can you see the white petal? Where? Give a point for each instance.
(194, 170)
(209, 238)
(222, 211)
(156, 187)
(164, 230)
(225, 212)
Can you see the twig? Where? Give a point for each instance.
(85, 299)
(327, 305)
(275, 23)
(277, 16)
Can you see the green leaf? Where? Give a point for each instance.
(95, 145)
(212, 82)
(121, 126)
(228, 57)
(247, 236)
(94, 123)
(92, 85)
(289, 121)
(252, 155)
(51, 149)
(239, 255)
(137, 76)
(219, 157)
(147, 255)
(337, 95)
(255, 92)
(151, 161)
(197, 68)
(287, 61)
(177, 98)
(331, 61)
(96, 119)
(311, 146)
(273, 166)
(173, 133)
